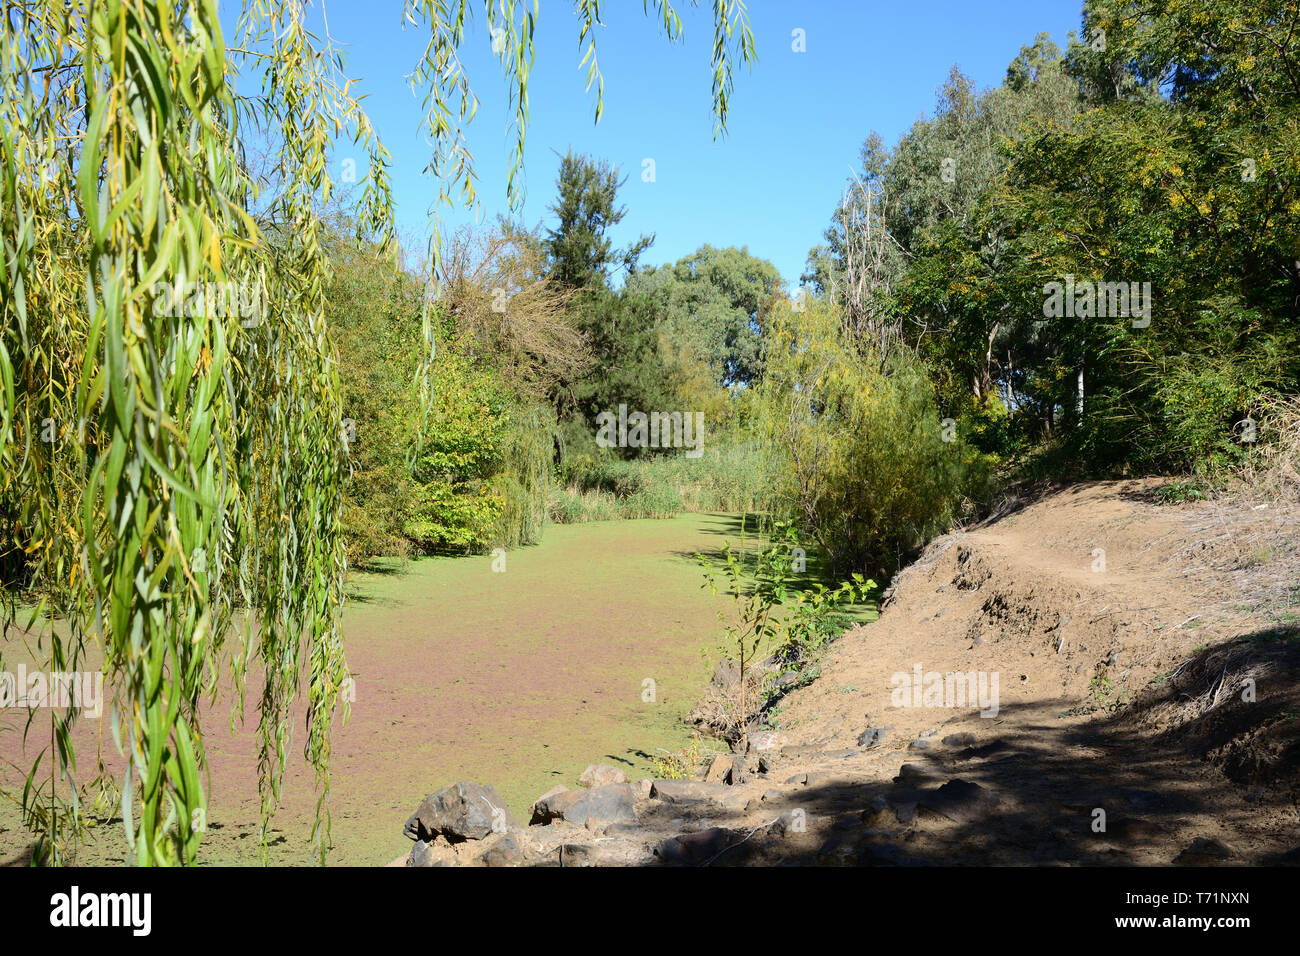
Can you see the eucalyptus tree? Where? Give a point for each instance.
(171, 439)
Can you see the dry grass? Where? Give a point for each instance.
(1271, 475)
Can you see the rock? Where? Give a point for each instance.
(765, 741)
(847, 821)
(609, 851)
(978, 753)
(959, 801)
(686, 791)
(838, 850)
(932, 732)
(772, 795)
(548, 838)
(642, 788)
(727, 768)
(422, 854)
(919, 744)
(798, 779)
(959, 740)
(601, 775)
(913, 773)
(905, 813)
(598, 807)
(462, 811)
(693, 849)
(800, 753)
(1205, 851)
(726, 675)
(786, 680)
(840, 754)
(544, 800)
(507, 851)
(871, 737)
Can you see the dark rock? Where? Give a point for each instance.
(507, 851)
(786, 680)
(919, 744)
(422, 855)
(694, 849)
(686, 791)
(959, 740)
(960, 801)
(911, 773)
(463, 811)
(871, 737)
(599, 806)
(727, 768)
(978, 753)
(1205, 851)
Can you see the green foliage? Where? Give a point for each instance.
(866, 468)
(755, 596)
(1163, 150)
(711, 304)
(1176, 492)
(762, 619)
(815, 618)
(581, 253)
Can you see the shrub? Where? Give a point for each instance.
(869, 468)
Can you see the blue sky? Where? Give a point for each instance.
(796, 122)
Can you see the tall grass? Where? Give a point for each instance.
(735, 476)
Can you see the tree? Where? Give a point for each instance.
(711, 303)
(581, 253)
